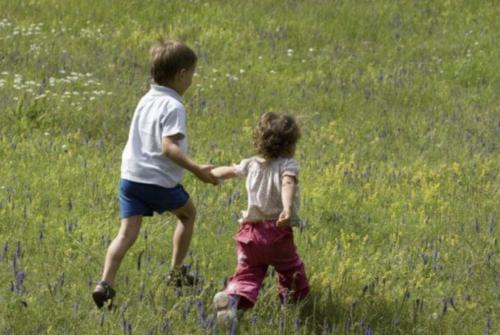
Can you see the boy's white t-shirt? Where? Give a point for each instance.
(159, 113)
(263, 185)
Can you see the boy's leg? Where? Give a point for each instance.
(186, 216)
(129, 230)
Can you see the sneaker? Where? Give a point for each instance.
(181, 277)
(226, 311)
(102, 293)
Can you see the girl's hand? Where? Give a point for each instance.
(204, 174)
(284, 218)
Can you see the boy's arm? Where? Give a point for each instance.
(224, 172)
(287, 195)
(171, 149)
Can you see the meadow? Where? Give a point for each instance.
(399, 107)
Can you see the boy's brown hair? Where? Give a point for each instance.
(168, 57)
(276, 135)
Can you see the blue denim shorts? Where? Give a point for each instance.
(145, 199)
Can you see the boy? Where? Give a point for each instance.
(153, 164)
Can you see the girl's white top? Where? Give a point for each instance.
(263, 184)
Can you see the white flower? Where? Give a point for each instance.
(46, 133)
(311, 49)
(242, 71)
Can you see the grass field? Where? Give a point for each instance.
(399, 107)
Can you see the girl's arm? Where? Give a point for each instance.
(224, 172)
(287, 195)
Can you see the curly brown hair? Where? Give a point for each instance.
(276, 135)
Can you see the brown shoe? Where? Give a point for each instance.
(181, 277)
(102, 293)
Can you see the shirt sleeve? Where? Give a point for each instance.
(241, 169)
(290, 168)
(173, 121)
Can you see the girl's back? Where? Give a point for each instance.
(263, 185)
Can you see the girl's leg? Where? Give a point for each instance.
(292, 279)
(129, 230)
(183, 233)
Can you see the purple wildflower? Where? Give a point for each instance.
(20, 276)
(234, 328)
(19, 252)
(201, 312)
(5, 250)
(298, 323)
(165, 327)
(151, 330)
(488, 327)
(141, 292)
(61, 280)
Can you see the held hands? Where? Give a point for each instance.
(205, 175)
(284, 218)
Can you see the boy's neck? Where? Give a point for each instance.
(170, 86)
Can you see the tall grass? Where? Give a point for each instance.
(399, 107)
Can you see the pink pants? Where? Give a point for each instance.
(260, 244)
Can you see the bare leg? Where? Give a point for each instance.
(183, 233)
(129, 230)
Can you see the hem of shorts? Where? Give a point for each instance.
(244, 295)
(128, 215)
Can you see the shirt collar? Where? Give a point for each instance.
(166, 90)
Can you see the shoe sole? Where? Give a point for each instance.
(226, 319)
(99, 298)
(221, 301)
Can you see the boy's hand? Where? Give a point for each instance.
(204, 174)
(284, 218)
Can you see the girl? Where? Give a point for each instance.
(265, 236)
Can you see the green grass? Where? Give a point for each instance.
(399, 109)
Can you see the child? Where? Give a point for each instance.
(153, 164)
(265, 236)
